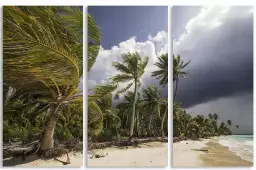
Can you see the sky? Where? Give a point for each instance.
(129, 29)
(219, 43)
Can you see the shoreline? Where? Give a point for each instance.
(216, 156)
(150, 154)
(220, 155)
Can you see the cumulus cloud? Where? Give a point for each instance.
(102, 70)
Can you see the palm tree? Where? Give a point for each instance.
(210, 115)
(42, 56)
(131, 68)
(125, 109)
(176, 120)
(178, 66)
(151, 97)
(93, 41)
(96, 109)
(229, 123)
(162, 73)
(98, 94)
(164, 105)
(215, 116)
(215, 124)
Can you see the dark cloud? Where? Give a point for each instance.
(238, 109)
(221, 63)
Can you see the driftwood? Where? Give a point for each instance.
(125, 143)
(203, 150)
(97, 155)
(19, 151)
(60, 148)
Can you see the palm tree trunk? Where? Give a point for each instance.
(176, 89)
(137, 124)
(133, 111)
(150, 121)
(162, 121)
(48, 141)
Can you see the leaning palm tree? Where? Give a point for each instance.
(100, 92)
(96, 107)
(131, 68)
(42, 56)
(93, 41)
(162, 73)
(178, 66)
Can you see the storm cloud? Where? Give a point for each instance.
(219, 43)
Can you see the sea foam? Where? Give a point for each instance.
(241, 145)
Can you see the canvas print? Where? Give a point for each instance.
(213, 86)
(127, 86)
(42, 90)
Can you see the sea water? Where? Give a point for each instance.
(241, 145)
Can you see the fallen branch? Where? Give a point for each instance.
(203, 150)
(125, 143)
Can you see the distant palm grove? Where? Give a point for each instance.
(187, 126)
(42, 68)
(142, 112)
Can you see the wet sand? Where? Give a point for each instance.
(76, 159)
(153, 154)
(221, 156)
(217, 155)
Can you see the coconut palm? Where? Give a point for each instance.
(151, 98)
(42, 56)
(178, 66)
(125, 110)
(131, 69)
(210, 115)
(164, 106)
(93, 41)
(162, 73)
(229, 123)
(101, 94)
(215, 116)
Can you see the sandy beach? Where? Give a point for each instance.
(153, 154)
(76, 159)
(183, 156)
(186, 155)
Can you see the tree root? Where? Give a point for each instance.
(55, 152)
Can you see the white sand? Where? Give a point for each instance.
(154, 154)
(76, 160)
(183, 156)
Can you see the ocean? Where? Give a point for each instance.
(241, 145)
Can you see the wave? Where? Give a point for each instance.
(242, 147)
